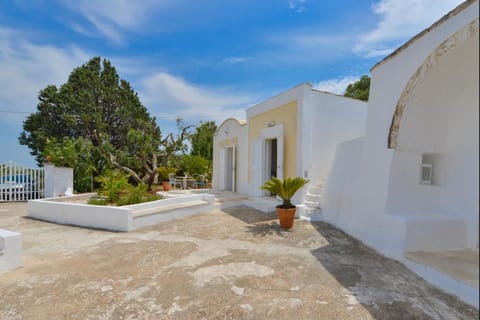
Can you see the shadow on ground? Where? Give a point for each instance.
(386, 288)
(250, 216)
(259, 224)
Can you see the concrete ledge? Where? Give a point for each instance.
(10, 250)
(433, 232)
(462, 290)
(183, 210)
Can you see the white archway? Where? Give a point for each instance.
(436, 122)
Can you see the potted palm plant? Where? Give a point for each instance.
(163, 173)
(285, 189)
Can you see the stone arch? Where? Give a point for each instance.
(469, 31)
(236, 121)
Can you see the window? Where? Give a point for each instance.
(431, 168)
(426, 173)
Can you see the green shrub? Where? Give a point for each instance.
(98, 201)
(163, 172)
(112, 183)
(194, 165)
(136, 195)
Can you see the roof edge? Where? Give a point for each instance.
(461, 7)
(309, 85)
(239, 121)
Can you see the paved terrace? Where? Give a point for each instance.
(234, 263)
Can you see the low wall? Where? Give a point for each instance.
(10, 250)
(69, 210)
(58, 210)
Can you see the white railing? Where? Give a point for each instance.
(20, 183)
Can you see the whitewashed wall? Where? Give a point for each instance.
(228, 130)
(443, 123)
(365, 214)
(328, 120)
(58, 180)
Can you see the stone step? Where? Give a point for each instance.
(315, 190)
(313, 197)
(309, 214)
(311, 204)
(165, 208)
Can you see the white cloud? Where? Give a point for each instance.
(400, 20)
(304, 47)
(336, 86)
(297, 5)
(234, 60)
(111, 18)
(168, 96)
(27, 68)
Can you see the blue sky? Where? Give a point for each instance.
(199, 60)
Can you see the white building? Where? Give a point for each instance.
(407, 181)
(410, 187)
(294, 133)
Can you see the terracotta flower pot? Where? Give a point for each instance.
(166, 185)
(286, 217)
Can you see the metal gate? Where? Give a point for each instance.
(20, 183)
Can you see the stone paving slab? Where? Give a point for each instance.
(234, 263)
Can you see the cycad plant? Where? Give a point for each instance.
(284, 188)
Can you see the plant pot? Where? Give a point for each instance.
(286, 217)
(166, 186)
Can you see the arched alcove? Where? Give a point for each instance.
(437, 123)
(466, 34)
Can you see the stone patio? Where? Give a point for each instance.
(234, 263)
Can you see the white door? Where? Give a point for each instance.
(280, 156)
(222, 171)
(229, 169)
(257, 167)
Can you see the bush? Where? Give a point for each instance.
(112, 183)
(98, 201)
(194, 165)
(163, 172)
(137, 194)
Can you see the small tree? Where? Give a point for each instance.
(359, 89)
(202, 140)
(174, 144)
(113, 182)
(193, 165)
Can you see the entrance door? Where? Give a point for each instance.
(267, 158)
(271, 159)
(230, 169)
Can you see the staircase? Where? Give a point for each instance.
(311, 208)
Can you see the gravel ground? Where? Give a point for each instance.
(224, 264)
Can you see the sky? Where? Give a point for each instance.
(198, 60)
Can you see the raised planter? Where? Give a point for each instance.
(70, 210)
